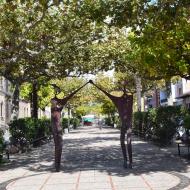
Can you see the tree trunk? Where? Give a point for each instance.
(138, 88)
(157, 98)
(15, 102)
(34, 101)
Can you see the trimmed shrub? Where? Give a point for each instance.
(166, 124)
(187, 122)
(64, 123)
(75, 122)
(26, 130)
(143, 123)
(108, 121)
(138, 122)
(1, 145)
(118, 122)
(149, 123)
(159, 124)
(44, 127)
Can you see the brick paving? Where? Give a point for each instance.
(92, 160)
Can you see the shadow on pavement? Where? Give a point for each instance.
(101, 152)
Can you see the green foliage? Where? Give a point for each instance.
(52, 40)
(118, 122)
(164, 46)
(158, 124)
(64, 122)
(75, 122)
(187, 121)
(45, 93)
(166, 124)
(46, 41)
(108, 121)
(1, 144)
(108, 108)
(149, 121)
(25, 130)
(44, 127)
(143, 123)
(81, 111)
(138, 122)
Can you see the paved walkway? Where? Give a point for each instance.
(92, 160)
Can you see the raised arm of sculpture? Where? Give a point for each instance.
(124, 106)
(56, 108)
(63, 101)
(106, 93)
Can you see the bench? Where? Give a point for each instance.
(38, 141)
(181, 144)
(11, 149)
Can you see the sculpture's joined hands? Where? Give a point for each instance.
(124, 105)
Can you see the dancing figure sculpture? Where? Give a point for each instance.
(124, 105)
(56, 108)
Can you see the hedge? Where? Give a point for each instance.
(108, 121)
(64, 123)
(75, 122)
(159, 124)
(26, 130)
(1, 145)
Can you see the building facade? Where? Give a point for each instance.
(182, 91)
(179, 95)
(5, 105)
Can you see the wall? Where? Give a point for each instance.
(24, 109)
(5, 102)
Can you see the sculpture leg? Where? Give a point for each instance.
(58, 151)
(123, 146)
(129, 147)
(57, 135)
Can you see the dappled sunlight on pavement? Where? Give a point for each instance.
(92, 159)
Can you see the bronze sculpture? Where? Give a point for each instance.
(56, 108)
(124, 105)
